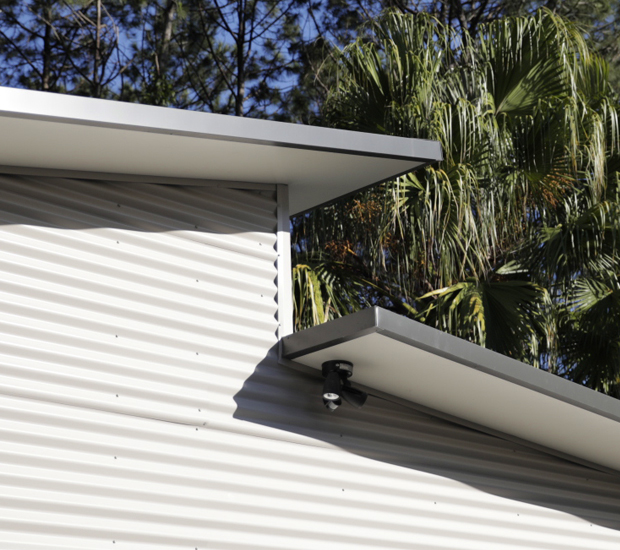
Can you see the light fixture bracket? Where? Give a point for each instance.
(343, 368)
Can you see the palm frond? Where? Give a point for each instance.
(490, 243)
(507, 316)
(590, 339)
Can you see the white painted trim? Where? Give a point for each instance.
(285, 281)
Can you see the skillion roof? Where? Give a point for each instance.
(53, 131)
(466, 382)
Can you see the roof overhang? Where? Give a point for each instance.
(53, 131)
(425, 366)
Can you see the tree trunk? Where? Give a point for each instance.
(47, 51)
(240, 94)
(164, 49)
(96, 82)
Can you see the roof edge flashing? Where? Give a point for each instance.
(104, 113)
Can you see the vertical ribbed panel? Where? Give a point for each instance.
(142, 406)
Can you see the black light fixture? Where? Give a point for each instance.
(337, 386)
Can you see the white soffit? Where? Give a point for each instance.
(409, 360)
(54, 131)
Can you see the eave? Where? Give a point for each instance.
(411, 361)
(61, 132)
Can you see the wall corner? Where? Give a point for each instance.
(285, 282)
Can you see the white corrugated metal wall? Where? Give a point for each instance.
(142, 405)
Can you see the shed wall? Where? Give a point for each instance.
(142, 405)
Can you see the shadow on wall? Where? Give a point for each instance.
(279, 397)
(288, 399)
(78, 204)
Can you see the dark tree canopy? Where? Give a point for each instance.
(261, 58)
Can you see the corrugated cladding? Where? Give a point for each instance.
(142, 405)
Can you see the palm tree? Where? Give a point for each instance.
(510, 242)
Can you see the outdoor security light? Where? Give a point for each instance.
(337, 386)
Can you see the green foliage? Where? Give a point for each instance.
(507, 316)
(590, 340)
(69, 46)
(235, 54)
(241, 57)
(493, 243)
(259, 58)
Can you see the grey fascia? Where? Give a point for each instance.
(152, 119)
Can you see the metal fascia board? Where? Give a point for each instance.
(330, 334)
(47, 106)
